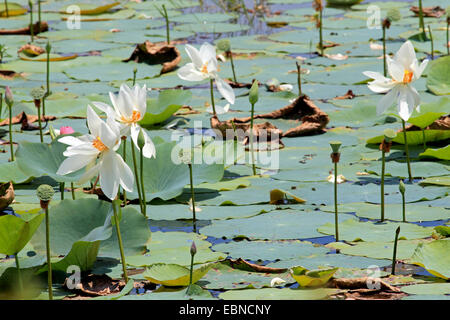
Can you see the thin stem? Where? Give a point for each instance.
(383, 165)
(421, 23)
(61, 189)
(136, 176)
(407, 151)
(40, 125)
(432, 44)
(320, 33)
(19, 274)
(336, 220)
(212, 96)
(6, 9)
(144, 202)
(403, 207)
(119, 239)
(72, 188)
(134, 76)
(394, 257)
(191, 179)
(384, 51)
(232, 66)
(31, 21)
(49, 264)
(299, 78)
(39, 16)
(166, 17)
(10, 134)
(43, 106)
(252, 151)
(424, 140)
(124, 159)
(1, 103)
(190, 275)
(448, 27)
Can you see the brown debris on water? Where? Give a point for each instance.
(26, 30)
(443, 123)
(156, 53)
(6, 195)
(432, 12)
(26, 121)
(9, 74)
(357, 289)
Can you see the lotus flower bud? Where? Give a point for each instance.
(66, 130)
(253, 94)
(9, 98)
(193, 249)
(141, 139)
(401, 187)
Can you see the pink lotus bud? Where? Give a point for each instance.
(9, 99)
(66, 130)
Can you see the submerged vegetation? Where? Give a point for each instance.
(180, 193)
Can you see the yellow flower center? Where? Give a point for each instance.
(407, 76)
(136, 116)
(205, 68)
(98, 144)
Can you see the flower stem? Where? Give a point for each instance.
(403, 207)
(166, 17)
(10, 134)
(212, 96)
(232, 66)
(40, 125)
(299, 78)
(115, 204)
(384, 51)
(19, 274)
(421, 23)
(252, 151)
(188, 291)
(31, 21)
(72, 188)
(1, 101)
(394, 257)
(448, 38)
(320, 33)
(136, 176)
(191, 179)
(6, 9)
(124, 159)
(61, 189)
(144, 202)
(49, 263)
(383, 165)
(432, 44)
(407, 151)
(336, 221)
(39, 16)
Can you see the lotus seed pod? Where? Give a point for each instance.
(9, 98)
(38, 93)
(141, 139)
(224, 45)
(389, 135)
(393, 15)
(185, 156)
(335, 145)
(401, 187)
(45, 192)
(253, 94)
(193, 249)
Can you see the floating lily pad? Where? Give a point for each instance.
(173, 275)
(434, 257)
(311, 278)
(15, 232)
(277, 294)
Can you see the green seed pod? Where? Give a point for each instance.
(389, 135)
(45, 192)
(224, 45)
(253, 94)
(141, 139)
(38, 93)
(393, 15)
(48, 47)
(185, 156)
(193, 249)
(335, 145)
(401, 187)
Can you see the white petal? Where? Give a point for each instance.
(207, 52)
(194, 54)
(396, 70)
(406, 55)
(108, 110)
(81, 149)
(381, 86)
(408, 100)
(225, 90)
(109, 136)
(74, 163)
(387, 101)
(219, 109)
(93, 121)
(149, 149)
(376, 76)
(126, 176)
(420, 69)
(109, 175)
(190, 73)
(71, 141)
(92, 170)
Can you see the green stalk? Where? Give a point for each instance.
(124, 159)
(384, 51)
(424, 141)
(134, 76)
(19, 274)
(403, 207)
(336, 221)
(136, 176)
(190, 275)
(10, 134)
(394, 257)
(61, 189)
(39, 16)
(119, 239)
(6, 9)
(144, 202)
(407, 151)
(31, 21)
(1, 103)
(194, 219)
(232, 66)
(40, 125)
(251, 140)
(72, 188)
(299, 78)
(320, 33)
(448, 27)
(166, 17)
(213, 104)
(49, 264)
(421, 23)
(48, 81)
(383, 165)
(432, 44)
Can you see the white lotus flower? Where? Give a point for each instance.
(130, 107)
(97, 152)
(404, 70)
(219, 109)
(204, 66)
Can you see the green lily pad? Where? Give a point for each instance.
(415, 137)
(173, 275)
(428, 289)
(440, 153)
(437, 81)
(434, 257)
(311, 278)
(382, 250)
(277, 294)
(15, 232)
(440, 181)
